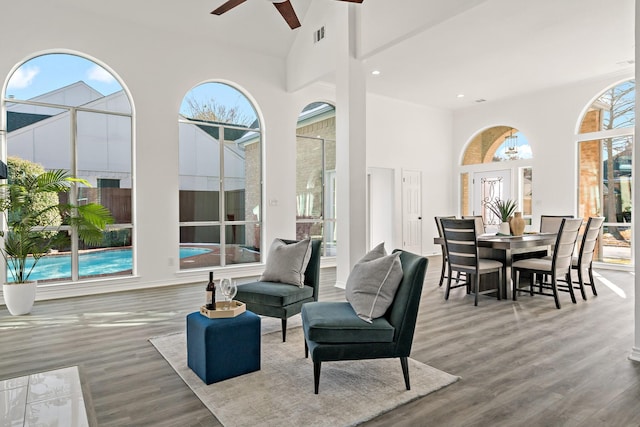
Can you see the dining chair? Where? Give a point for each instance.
(550, 269)
(445, 261)
(551, 223)
(462, 248)
(583, 263)
(479, 222)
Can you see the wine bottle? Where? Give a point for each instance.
(211, 293)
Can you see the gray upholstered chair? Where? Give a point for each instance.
(333, 331)
(557, 267)
(281, 300)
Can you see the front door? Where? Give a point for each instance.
(488, 187)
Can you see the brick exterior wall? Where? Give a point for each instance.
(589, 174)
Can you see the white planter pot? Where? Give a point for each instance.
(504, 228)
(19, 297)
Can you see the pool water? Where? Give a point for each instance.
(91, 263)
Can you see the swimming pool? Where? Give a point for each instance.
(91, 263)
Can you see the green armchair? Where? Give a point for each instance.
(333, 331)
(281, 300)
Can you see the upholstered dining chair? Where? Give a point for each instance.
(282, 300)
(445, 260)
(551, 223)
(551, 269)
(462, 250)
(333, 331)
(479, 222)
(583, 263)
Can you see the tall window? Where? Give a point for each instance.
(316, 175)
(67, 112)
(605, 143)
(220, 195)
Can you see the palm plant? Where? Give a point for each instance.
(503, 209)
(35, 215)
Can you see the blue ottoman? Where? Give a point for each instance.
(218, 349)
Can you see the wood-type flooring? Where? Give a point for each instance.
(522, 363)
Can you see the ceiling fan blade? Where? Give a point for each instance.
(230, 4)
(286, 10)
(353, 1)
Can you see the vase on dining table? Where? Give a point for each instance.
(516, 223)
(504, 228)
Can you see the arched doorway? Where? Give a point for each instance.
(495, 165)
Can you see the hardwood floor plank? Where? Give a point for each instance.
(520, 363)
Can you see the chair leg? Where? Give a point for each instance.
(533, 283)
(405, 372)
(593, 283)
(284, 329)
(581, 284)
(442, 272)
(306, 350)
(571, 292)
(448, 288)
(476, 281)
(316, 376)
(515, 276)
(555, 291)
(499, 287)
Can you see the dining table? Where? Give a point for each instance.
(507, 249)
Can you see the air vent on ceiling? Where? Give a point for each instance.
(481, 100)
(318, 34)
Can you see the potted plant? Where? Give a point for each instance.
(503, 209)
(34, 216)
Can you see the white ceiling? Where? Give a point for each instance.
(429, 51)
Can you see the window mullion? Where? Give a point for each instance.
(73, 193)
(221, 202)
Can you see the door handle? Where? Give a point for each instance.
(419, 217)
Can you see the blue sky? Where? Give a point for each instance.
(53, 71)
(49, 72)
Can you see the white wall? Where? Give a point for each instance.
(549, 120)
(401, 135)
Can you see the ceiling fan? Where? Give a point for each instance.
(284, 7)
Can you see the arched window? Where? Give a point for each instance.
(220, 178)
(497, 144)
(510, 177)
(605, 143)
(316, 175)
(64, 111)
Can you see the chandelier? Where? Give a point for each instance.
(511, 144)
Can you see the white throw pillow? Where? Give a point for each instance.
(372, 284)
(286, 263)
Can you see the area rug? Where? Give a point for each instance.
(281, 393)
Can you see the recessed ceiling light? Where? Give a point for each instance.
(376, 72)
(461, 95)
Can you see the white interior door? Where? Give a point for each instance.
(487, 187)
(380, 206)
(412, 211)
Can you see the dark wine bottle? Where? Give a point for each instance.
(211, 293)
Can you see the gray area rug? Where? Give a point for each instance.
(281, 393)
